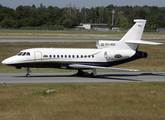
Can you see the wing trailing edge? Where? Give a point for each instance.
(79, 66)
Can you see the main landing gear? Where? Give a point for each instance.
(80, 72)
(28, 71)
(93, 74)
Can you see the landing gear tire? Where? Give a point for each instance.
(92, 75)
(28, 71)
(28, 75)
(80, 73)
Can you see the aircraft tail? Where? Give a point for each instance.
(135, 33)
(133, 37)
(130, 40)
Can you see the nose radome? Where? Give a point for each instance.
(5, 62)
(9, 61)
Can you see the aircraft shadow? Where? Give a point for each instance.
(126, 76)
(140, 74)
(111, 76)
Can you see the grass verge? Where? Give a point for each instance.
(89, 101)
(73, 34)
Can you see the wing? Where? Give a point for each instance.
(79, 66)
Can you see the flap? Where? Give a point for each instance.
(79, 66)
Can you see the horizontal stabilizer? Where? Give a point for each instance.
(79, 66)
(142, 42)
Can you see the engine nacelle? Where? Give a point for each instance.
(118, 55)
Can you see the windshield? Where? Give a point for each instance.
(23, 54)
(20, 53)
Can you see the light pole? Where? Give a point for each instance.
(113, 12)
(85, 13)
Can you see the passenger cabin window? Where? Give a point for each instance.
(45, 56)
(58, 56)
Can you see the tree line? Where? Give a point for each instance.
(69, 16)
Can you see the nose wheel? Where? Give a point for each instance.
(28, 71)
(28, 75)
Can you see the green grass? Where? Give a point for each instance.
(154, 62)
(89, 101)
(72, 34)
(58, 34)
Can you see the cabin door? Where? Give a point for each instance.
(37, 58)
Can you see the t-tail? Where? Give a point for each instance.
(130, 40)
(133, 37)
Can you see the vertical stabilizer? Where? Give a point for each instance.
(135, 33)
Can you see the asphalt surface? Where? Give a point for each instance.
(71, 77)
(63, 40)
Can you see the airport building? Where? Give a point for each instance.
(89, 26)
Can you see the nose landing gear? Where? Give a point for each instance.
(28, 71)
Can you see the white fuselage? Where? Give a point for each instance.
(62, 57)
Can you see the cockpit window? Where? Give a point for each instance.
(20, 53)
(24, 54)
(28, 53)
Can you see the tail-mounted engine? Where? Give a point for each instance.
(118, 55)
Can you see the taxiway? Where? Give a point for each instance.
(71, 77)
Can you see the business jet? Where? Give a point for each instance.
(107, 54)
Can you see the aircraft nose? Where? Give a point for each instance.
(9, 61)
(5, 62)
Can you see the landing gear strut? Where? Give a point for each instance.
(28, 71)
(80, 72)
(94, 73)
